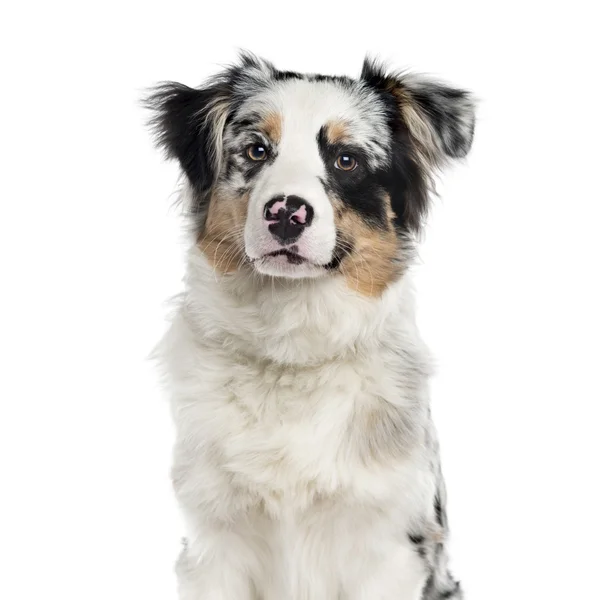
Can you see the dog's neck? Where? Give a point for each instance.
(294, 322)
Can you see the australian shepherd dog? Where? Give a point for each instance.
(306, 463)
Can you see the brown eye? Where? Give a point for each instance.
(346, 162)
(256, 152)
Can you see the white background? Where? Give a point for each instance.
(89, 250)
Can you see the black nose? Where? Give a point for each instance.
(288, 217)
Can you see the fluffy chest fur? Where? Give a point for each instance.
(345, 420)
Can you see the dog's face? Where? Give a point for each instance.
(308, 176)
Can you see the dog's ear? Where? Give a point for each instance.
(440, 118)
(188, 124)
(432, 122)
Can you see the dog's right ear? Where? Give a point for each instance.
(188, 124)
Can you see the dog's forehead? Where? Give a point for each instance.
(304, 106)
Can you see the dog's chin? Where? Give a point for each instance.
(288, 265)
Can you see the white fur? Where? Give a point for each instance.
(271, 383)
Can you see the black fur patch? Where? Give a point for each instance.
(361, 189)
(183, 130)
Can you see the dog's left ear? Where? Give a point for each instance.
(431, 123)
(440, 118)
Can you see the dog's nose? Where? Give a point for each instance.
(287, 218)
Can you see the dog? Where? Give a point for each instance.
(306, 464)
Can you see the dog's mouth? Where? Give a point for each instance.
(293, 258)
(288, 256)
(286, 262)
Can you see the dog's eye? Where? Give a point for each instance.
(256, 152)
(346, 162)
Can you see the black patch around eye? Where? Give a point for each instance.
(361, 189)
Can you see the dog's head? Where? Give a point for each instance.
(304, 176)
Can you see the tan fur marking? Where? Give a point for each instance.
(371, 266)
(222, 237)
(418, 127)
(218, 113)
(271, 126)
(336, 132)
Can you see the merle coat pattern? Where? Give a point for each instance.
(306, 463)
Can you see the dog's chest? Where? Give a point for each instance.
(294, 435)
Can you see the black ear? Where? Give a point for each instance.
(188, 124)
(431, 123)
